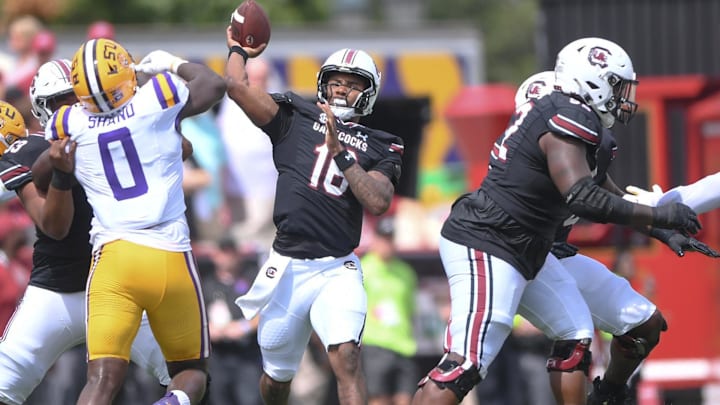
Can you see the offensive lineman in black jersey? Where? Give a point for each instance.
(616, 308)
(51, 316)
(330, 168)
(496, 239)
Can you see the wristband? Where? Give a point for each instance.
(175, 65)
(62, 180)
(238, 50)
(343, 160)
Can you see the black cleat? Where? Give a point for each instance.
(598, 397)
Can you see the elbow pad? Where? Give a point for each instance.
(590, 201)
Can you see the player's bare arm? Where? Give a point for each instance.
(373, 189)
(53, 212)
(568, 167)
(34, 204)
(257, 104)
(206, 87)
(187, 148)
(612, 187)
(571, 174)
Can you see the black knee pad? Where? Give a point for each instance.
(458, 378)
(570, 355)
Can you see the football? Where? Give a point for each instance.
(250, 24)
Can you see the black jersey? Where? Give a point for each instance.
(58, 265)
(517, 210)
(316, 213)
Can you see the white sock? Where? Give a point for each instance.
(182, 397)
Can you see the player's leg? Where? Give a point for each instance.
(553, 303)
(44, 325)
(284, 330)
(484, 292)
(338, 318)
(617, 308)
(113, 318)
(146, 353)
(178, 318)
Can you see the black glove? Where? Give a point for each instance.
(562, 250)
(676, 216)
(680, 243)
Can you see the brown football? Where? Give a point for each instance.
(250, 24)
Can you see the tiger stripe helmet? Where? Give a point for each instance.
(12, 126)
(103, 76)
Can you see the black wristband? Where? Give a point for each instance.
(343, 160)
(238, 50)
(62, 180)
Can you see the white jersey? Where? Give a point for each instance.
(130, 165)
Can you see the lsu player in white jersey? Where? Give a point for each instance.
(51, 316)
(122, 144)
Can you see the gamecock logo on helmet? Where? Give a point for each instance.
(599, 56)
(535, 89)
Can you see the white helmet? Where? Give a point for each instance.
(601, 73)
(356, 62)
(535, 86)
(52, 80)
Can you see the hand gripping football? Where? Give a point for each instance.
(250, 24)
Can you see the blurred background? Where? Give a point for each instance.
(450, 69)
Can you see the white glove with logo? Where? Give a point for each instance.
(159, 61)
(641, 196)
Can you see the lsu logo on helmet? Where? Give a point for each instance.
(12, 126)
(103, 76)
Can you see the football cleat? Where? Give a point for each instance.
(597, 397)
(168, 399)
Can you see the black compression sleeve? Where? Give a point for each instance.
(590, 201)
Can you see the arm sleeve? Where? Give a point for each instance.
(702, 196)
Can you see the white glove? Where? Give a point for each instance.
(641, 196)
(159, 61)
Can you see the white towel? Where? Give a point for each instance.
(263, 287)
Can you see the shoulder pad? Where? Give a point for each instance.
(165, 90)
(284, 98)
(397, 145)
(573, 118)
(58, 125)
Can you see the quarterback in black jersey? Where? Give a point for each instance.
(496, 239)
(330, 169)
(50, 319)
